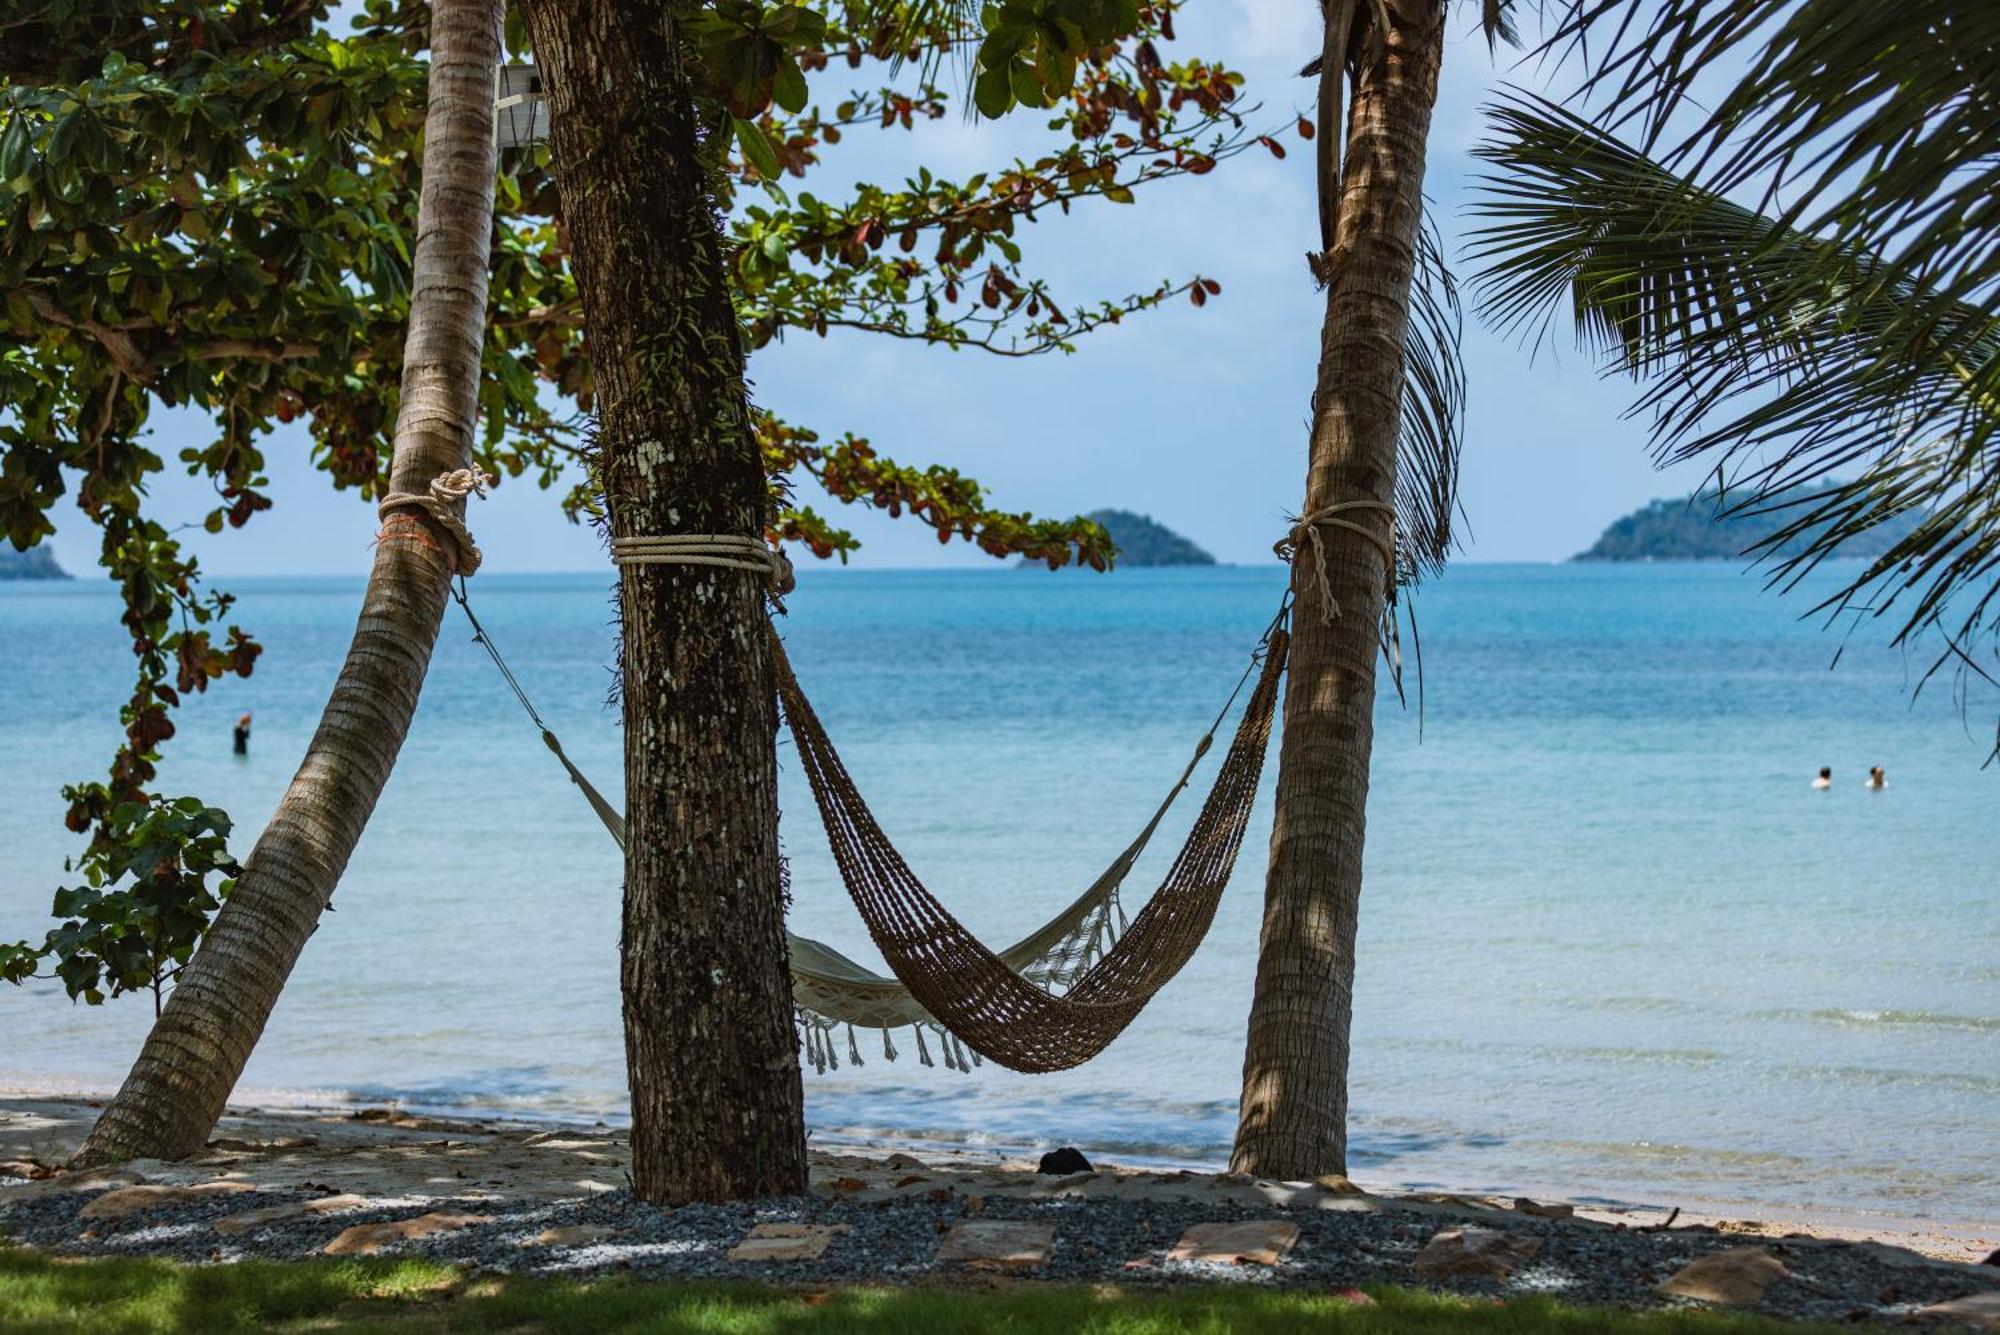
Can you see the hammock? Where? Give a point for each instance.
(1002, 1004)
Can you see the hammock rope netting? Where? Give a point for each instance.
(1052, 1000)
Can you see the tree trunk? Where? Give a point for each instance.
(198, 1046)
(711, 1052)
(1293, 1117)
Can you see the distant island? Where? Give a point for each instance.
(1692, 529)
(1141, 542)
(35, 563)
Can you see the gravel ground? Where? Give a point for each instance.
(896, 1241)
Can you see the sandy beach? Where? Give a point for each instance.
(536, 1197)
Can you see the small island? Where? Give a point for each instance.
(35, 563)
(1693, 528)
(1142, 542)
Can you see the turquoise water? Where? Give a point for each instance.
(1612, 943)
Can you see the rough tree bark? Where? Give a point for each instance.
(711, 1053)
(1292, 1123)
(198, 1047)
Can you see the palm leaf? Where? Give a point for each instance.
(1433, 414)
(1781, 357)
(1874, 125)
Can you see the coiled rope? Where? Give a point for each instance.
(729, 551)
(1307, 532)
(441, 506)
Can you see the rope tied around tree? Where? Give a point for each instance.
(725, 550)
(1307, 531)
(442, 506)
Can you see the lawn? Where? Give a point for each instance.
(41, 1295)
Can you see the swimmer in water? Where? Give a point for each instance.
(1825, 779)
(1876, 779)
(243, 735)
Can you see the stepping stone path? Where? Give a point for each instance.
(1474, 1253)
(367, 1239)
(123, 1201)
(787, 1242)
(1251, 1242)
(1736, 1277)
(999, 1244)
(243, 1221)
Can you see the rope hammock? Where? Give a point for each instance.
(989, 1000)
(1052, 1000)
(1001, 1004)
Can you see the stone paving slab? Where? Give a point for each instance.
(1735, 1278)
(571, 1235)
(1474, 1253)
(786, 1242)
(1251, 1242)
(367, 1239)
(999, 1244)
(243, 1221)
(125, 1201)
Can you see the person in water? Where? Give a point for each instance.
(243, 735)
(1876, 778)
(1825, 779)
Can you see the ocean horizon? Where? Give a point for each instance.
(1613, 946)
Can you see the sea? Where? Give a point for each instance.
(1614, 946)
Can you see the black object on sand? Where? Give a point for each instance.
(1063, 1162)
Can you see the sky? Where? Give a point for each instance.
(1195, 417)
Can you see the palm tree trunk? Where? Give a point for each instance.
(1293, 1117)
(711, 1053)
(198, 1046)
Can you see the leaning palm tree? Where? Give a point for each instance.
(199, 1045)
(1852, 326)
(1783, 347)
(1379, 499)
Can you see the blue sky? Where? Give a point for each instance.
(1197, 417)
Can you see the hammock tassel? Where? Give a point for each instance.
(923, 1053)
(853, 1048)
(888, 1048)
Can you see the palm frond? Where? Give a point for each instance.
(1873, 125)
(1433, 414)
(1496, 20)
(1781, 357)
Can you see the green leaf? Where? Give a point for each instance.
(757, 150)
(1027, 85)
(993, 92)
(64, 135)
(14, 152)
(789, 88)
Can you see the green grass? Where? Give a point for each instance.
(41, 1295)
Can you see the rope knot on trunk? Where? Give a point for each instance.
(726, 550)
(442, 505)
(1306, 532)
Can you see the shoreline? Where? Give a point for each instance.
(381, 1150)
